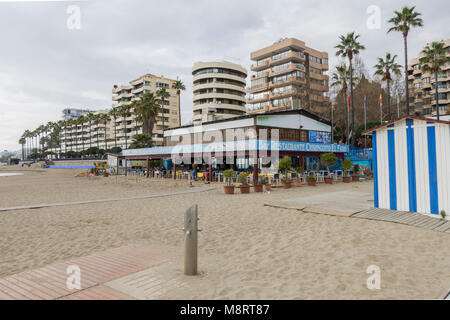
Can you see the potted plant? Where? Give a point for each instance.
(443, 214)
(368, 173)
(346, 165)
(311, 180)
(284, 165)
(242, 178)
(265, 182)
(258, 185)
(328, 159)
(298, 181)
(356, 170)
(228, 188)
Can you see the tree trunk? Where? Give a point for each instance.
(98, 145)
(179, 107)
(106, 142)
(406, 74)
(65, 141)
(126, 139)
(389, 100)
(90, 134)
(352, 106)
(115, 133)
(437, 95)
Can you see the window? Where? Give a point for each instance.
(315, 70)
(162, 85)
(281, 55)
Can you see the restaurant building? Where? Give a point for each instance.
(250, 142)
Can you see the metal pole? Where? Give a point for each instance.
(190, 241)
(398, 106)
(332, 124)
(365, 121)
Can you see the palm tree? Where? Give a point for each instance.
(80, 122)
(402, 22)
(40, 131)
(66, 124)
(27, 135)
(114, 113)
(341, 78)
(141, 141)
(163, 95)
(59, 125)
(90, 118)
(104, 117)
(147, 110)
(385, 69)
(124, 111)
(97, 119)
(434, 58)
(350, 47)
(179, 86)
(71, 123)
(22, 142)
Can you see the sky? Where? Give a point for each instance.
(47, 63)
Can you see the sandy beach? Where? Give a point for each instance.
(246, 250)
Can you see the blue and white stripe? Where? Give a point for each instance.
(412, 166)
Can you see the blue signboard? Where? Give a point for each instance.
(319, 137)
(244, 145)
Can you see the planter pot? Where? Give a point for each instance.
(355, 178)
(328, 180)
(228, 189)
(346, 179)
(286, 185)
(297, 183)
(311, 183)
(267, 187)
(106, 174)
(258, 188)
(368, 177)
(245, 189)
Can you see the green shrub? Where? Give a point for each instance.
(328, 160)
(227, 174)
(443, 214)
(311, 177)
(356, 169)
(285, 164)
(346, 165)
(242, 178)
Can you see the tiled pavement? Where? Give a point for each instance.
(49, 282)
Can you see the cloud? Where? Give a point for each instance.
(46, 67)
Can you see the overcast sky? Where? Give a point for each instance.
(46, 67)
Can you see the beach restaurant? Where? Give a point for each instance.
(411, 167)
(246, 143)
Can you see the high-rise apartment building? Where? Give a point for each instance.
(288, 76)
(219, 90)
(71, 113)
(422, 86)
(125, 94)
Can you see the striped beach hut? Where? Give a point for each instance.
(411, 165)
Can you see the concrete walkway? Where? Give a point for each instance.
(57, 204)
(337, 203)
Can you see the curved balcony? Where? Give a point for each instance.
(219, 76)
(219, 85)
(216, 95)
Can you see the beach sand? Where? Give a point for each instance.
(246, 250)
